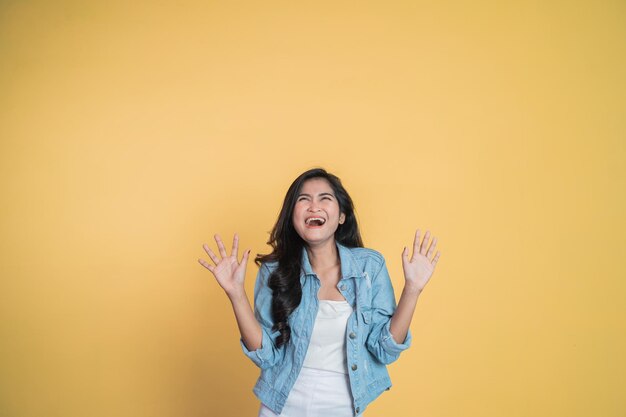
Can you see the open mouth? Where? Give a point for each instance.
(315, 221)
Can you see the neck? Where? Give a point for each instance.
(323, 256)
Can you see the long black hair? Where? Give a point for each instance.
(287, 249)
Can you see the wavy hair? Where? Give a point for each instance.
(288, 245)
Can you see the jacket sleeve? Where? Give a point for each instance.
(268, 354)
(380, 342)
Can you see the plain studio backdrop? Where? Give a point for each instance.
(131, 132)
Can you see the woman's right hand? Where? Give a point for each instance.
(228, 271)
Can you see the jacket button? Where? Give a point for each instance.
(357, 410)
(342, 287)
(354, 368)
(352, 335)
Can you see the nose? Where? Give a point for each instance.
(313, 207)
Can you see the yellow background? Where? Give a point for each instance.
(132, 132)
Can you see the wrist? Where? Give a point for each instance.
(238, 295)
(412, 289)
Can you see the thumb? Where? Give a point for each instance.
(405, 255)
(246, 254)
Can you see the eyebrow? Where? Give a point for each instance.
(320, 194)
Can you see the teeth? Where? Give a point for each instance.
(308, 221)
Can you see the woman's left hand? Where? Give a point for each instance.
(418, 269)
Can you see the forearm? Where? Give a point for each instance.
(249, 327)
(401, 319)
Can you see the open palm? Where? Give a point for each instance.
(419, 269)
(228, 271)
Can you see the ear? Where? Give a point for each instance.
(342, 218)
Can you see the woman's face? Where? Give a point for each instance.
(316, 214)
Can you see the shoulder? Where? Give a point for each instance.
(367, 254)
(368, 257)
(265, 270)
(270, 265)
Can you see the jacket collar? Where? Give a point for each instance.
(348, 263)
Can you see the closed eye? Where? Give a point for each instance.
(302, 197)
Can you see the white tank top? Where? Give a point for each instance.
(327, 348)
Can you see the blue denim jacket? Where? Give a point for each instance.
(366, 285)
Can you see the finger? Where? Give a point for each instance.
(432, 248)
(416, 243)
(206, 265)
(220, 245)
(209, 252)
(425, 243)
(436, 258)
(244, 260)
(405, 257)
(235, 250)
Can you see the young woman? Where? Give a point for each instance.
(325, 321)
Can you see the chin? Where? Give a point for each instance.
(315, 240)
